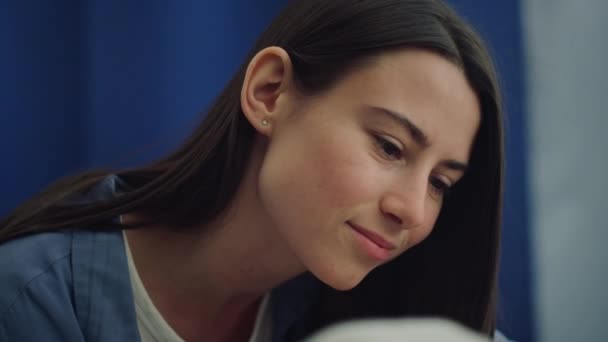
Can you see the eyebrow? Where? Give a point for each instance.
(455, 165)
(418, 135)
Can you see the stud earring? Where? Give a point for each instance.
(264, 122)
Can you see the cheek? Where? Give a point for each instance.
(345, 173)
(320, 175)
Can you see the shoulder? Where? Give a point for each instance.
(66, 286)
(36, 302)
(32, 259)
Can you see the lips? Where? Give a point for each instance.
(374, 237)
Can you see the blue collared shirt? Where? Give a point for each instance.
(74, 285)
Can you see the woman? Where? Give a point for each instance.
(306, 196)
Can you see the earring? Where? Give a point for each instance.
(264, 122)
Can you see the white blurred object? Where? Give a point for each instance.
(428, 330)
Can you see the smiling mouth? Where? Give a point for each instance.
(374, 237)
(372, 243)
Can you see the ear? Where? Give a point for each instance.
(265, 87)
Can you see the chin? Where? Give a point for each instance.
(344, 287)
(342, 282)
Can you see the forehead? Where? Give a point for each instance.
(430, 90)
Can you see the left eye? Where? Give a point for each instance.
(389, 149)
(439, 187)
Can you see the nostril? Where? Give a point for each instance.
(395, 218)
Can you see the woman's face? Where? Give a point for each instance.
(357, 175)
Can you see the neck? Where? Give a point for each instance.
(214, 277)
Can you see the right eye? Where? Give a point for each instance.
(388, 149)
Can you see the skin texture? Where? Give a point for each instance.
(340, 159)
(320, 166)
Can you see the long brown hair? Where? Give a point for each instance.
(451, 274)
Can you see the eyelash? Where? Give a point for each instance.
(388, 149)
(440, 187)
(384, 145)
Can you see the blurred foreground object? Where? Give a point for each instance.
(431, 329)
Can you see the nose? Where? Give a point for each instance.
(405, 206)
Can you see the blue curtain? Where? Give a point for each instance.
(110, 83)
(115, 83)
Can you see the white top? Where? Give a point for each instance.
(153, 327)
